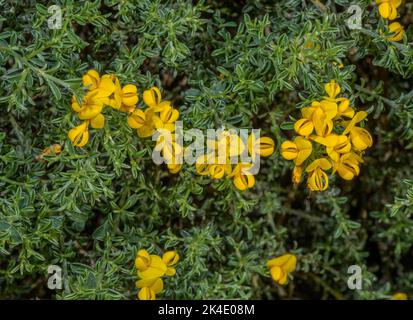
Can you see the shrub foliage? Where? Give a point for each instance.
(243, 64)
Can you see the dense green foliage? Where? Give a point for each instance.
(244, 64)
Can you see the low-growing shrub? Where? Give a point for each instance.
(85, 203)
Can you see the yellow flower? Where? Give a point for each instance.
(159, 115)
(348, 166)
(344, 108)
(142, 260)
(136, 119)
(101, 87)
(388, 8)
(124, 99)
(149, 288)
(397, 30)
(156, 268)
(324, 112)
(281, 266)
(335, 145)
(144, 122)
(318, 179)
(150, 269)
(168, 116)
(98, 122)
(79, 135)
(343, 104)
(319, 117)
(153, 99)
(264, 146)
(360, 137)
(399, 296)
(169, 149)
(227, 144)
(243, 179)
(298, 150)
(304, 126)
(174, 167)
(297, 172)
(332, 89)
(202, 165)
(217, 171)
(91, 106)
(170, 258)
(91, 80)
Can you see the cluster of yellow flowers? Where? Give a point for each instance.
(107, 91)
(151, 269)
(231, 145)
(159, 114)
(102, 91)
(328, 139)
(388, 10)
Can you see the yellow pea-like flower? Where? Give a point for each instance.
(332, 89)
(318, 179)
(264, 146)
(335, 145)
(151, 269)
(202, 165)
(399, 296)
(174, 168)
(136, 119)
(98, 122)
(153, 99)
(130, 95)
(149, 288)
(281, 266)
(91, 79)
(156, 269)
(397, 31)
(142, 260)
(170, 258)
(148, 127)
(124, 99)
(79, 135)
(318, 117)
(304, 127)
(91, 106)
(244, 181)
(344, 108)
(388, 8)
(169, 148)
(226, 145)
(216, 171)
(168, 116)
(360, 137)
(328, 107)
(347, 166)
(242, 177)
(298, 150)
(100, 87)
(323, 114)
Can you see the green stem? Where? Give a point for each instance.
(389, 102)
